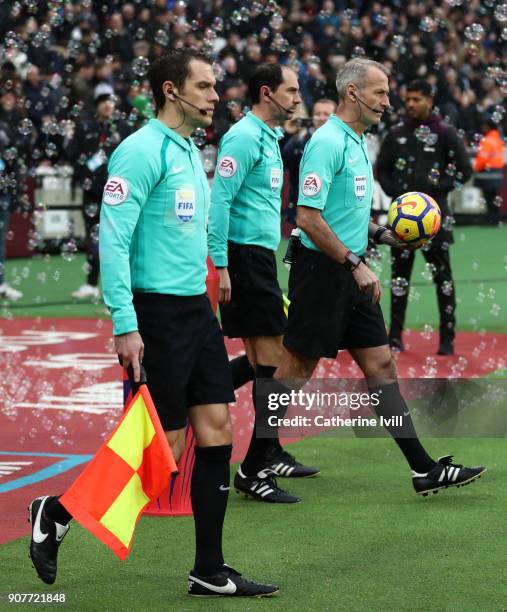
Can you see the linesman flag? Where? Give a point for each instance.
(130, 469)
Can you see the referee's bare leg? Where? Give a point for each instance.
(379, 369)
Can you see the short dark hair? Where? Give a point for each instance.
(421, 85)
(172, 66)
(269, 75)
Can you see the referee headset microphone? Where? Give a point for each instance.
(287, 111)
(203, 111)
(359, 100)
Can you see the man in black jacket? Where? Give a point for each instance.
(423, 153)
(94, 140)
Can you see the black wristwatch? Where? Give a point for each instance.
(220, 267)
(378, 234)
(351, 261)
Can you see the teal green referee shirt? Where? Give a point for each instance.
(246, 190)
(152, 221)
(336, 177)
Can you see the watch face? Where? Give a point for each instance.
(352, 260)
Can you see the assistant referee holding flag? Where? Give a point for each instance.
(334, 295)
(153, 251)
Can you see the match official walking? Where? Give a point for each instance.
(153, 259)
(334, 294)
(244, 233)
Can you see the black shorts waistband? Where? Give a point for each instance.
(253, 248)
(142, 297)
(325, 256)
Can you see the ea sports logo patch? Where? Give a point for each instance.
(227, 167)
(311, 185)
(116, 191)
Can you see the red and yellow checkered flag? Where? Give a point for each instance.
(130, 469)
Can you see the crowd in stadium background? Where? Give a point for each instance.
(55, 55)
(58, 58)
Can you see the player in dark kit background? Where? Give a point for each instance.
(423, 153)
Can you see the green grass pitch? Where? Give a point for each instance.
(361, 540)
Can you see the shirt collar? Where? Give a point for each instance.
(341, 124)
(276, 133)
(161, 127)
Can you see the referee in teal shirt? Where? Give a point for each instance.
(334, 295)
(244, 233)
(153, 251)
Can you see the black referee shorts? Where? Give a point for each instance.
(184, 355)
(327, 311)
(256, 307)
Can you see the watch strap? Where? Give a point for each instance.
(377, 235)
(351, 261)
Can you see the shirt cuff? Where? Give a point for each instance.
(219, 261)
(124, 324)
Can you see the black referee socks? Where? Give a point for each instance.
(209, 493)
(242, 371)
(261, 448)
(391, 405)
(57, 512)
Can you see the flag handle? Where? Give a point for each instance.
(142, 381)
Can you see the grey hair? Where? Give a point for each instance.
(355, 71)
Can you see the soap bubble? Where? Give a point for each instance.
(495, 310)
(401, 163)
(433, 176)
(432, 139)
(25, 127)
(162, 38)
(448, 222)
(447, 287)
(474, 32)
(427, 331)
(422, 133)
(199, 137)
(140, 66)
(358, 52)
(427, 24)
(68, 250)
(451, 169)
(399, 286)
(236, 18)
(501, 13)
(91, 209)
(208, 158)
(276, 22)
